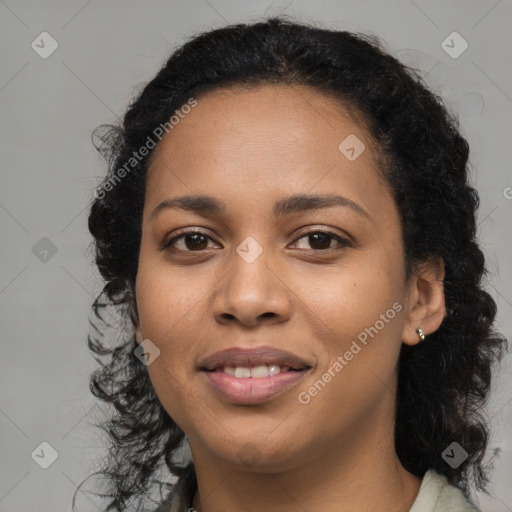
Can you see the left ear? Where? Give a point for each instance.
(138, 334)
(426, 300)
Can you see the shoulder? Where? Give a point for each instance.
(436, 494)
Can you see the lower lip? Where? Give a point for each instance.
(253, 390)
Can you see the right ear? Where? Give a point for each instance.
(139, 337)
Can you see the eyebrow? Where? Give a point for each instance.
(282, 207)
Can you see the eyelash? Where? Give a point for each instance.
(342, 242)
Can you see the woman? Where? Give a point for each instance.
(288, 226)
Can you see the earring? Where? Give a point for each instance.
(420, 334)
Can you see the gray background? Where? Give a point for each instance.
(48, 109)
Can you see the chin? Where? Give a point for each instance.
(259, 455)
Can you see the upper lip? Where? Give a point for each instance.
(248, 357)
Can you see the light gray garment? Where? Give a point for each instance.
(437, 495)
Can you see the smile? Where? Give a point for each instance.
(258, 372)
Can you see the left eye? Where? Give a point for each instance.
(323, 239)
(194, 241)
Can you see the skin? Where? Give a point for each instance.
(249, 148)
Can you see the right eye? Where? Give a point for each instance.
(191, 241)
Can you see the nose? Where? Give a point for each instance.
(252, 293)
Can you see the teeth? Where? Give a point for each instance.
(257, 372)
(274, 370)
(242, 372)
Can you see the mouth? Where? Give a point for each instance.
(260, 371)
(252, 376)
(261, 359)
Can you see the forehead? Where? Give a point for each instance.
(264, 141)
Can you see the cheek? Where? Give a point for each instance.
(167, 321)
(361, 315)
(166, 296)
(165, 304)
(169, 318)
(352, 297)
(359, 310)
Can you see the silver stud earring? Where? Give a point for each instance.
(420, 334)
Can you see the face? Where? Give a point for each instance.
(322, 281)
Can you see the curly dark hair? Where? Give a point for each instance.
(444, 382)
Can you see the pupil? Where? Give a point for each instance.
(322, 237)
(197, 238)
